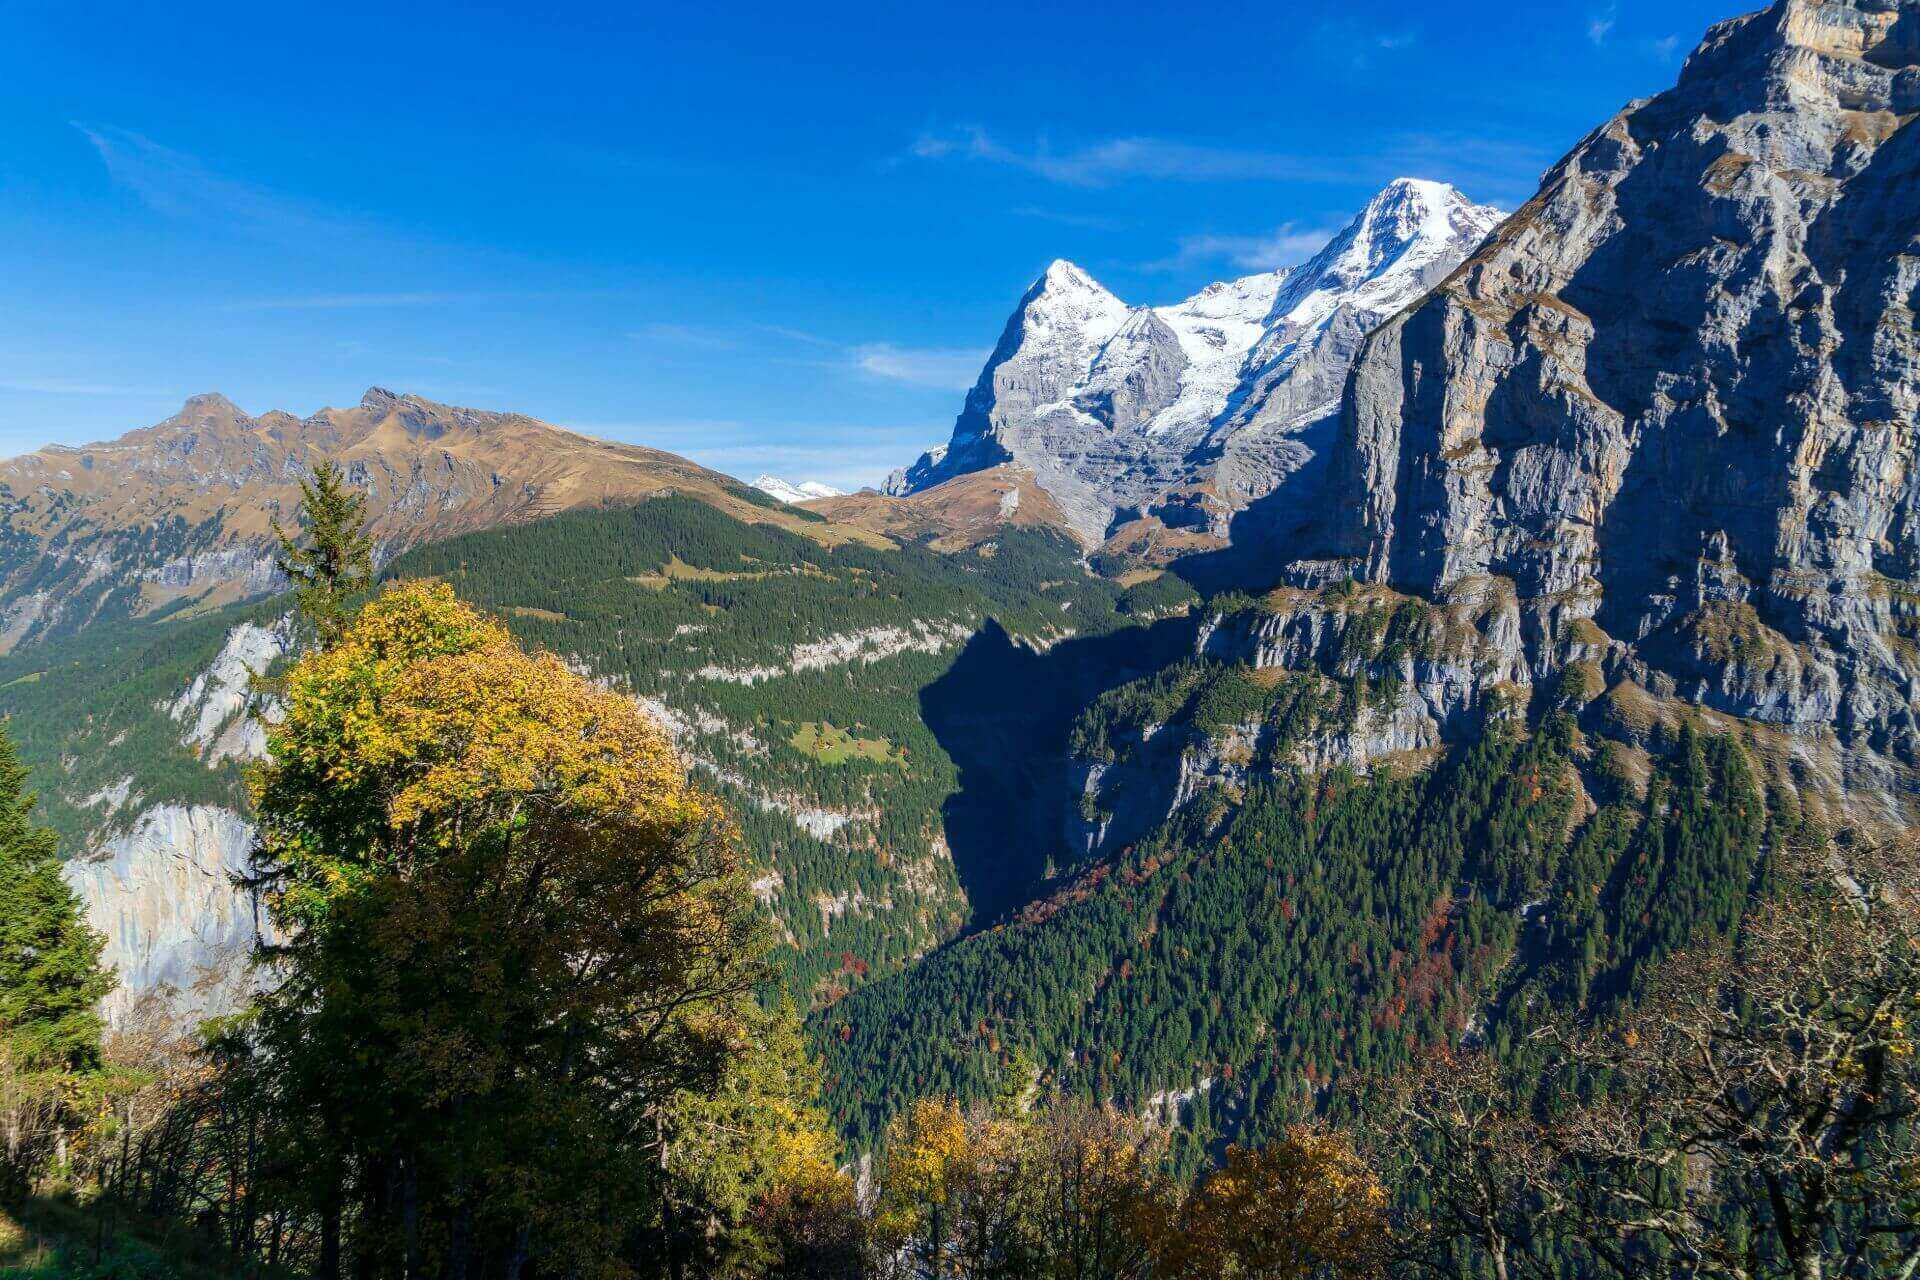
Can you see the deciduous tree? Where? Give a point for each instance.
(1302, 1208)
(515, 934)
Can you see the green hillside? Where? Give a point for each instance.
(1270, 946)
(795, 674)
(894, 731)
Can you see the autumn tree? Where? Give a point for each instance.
(750, 1186)
(952, 1196)
(515, 934)
(1477, 1175)
(331, 563)
(1100, 1204)
(51, 982)
(1759, 1104)
(1305, 1207)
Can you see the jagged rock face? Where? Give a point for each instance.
(218, 708)
(1675, 394)
(186, 508)
(179, 933)
(1188, 413)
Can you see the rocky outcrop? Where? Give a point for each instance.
(179, 930)
(1396, 680)
(217, 708)
(1186, 414)
(1672, 401)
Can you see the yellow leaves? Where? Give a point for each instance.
(926, 1148)
(1303, 1206)
(426, 716)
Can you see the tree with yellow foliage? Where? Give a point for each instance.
(953, 1195)
(751, 1187)
(1303, 1208)
(1102, 1205)
(516, 934)
(1070, 1191)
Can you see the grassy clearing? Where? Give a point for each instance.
(59, 1238)
(678, 570)
(832, 745)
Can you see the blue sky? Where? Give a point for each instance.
(771, 237)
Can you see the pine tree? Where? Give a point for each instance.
(50, 982)
(50, 973)
(337, 563)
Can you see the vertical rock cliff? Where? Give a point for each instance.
(1673, 398)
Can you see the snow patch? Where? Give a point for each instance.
(788, 492)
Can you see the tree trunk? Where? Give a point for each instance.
(517, 1261)
(330, 1235)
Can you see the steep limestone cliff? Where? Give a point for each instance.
(1672, 400)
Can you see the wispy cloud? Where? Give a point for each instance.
(1667, 48)
(1600, 25)
(845, 455)
(1284, 246)
(936, 368)
(352, 301)
(180, 185)
(1486, 167)
(1100, 164)
(941, 368)
(677, 334)
(796, 335)
(1357, 44)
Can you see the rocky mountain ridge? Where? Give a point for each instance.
(1183, 415)
(1670, 405)
(182, 511)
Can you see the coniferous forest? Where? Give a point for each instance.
(1400, 764)
(532, 1010)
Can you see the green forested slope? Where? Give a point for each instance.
(1272, 944)
(745, 635)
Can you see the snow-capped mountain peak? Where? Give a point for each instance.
(1405, 227)
(1112, 408)
(1066, 305)
(788, 492)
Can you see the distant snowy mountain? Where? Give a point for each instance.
(1181, 416)
(786, 491)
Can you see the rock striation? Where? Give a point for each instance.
(179, 930)
(1671, 403)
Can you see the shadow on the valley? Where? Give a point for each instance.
(1003, 712)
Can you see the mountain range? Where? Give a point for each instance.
(1578, 563)
(181, 513)
(1142, 420)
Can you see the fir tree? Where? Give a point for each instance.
(50, 973)
(336, 564)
